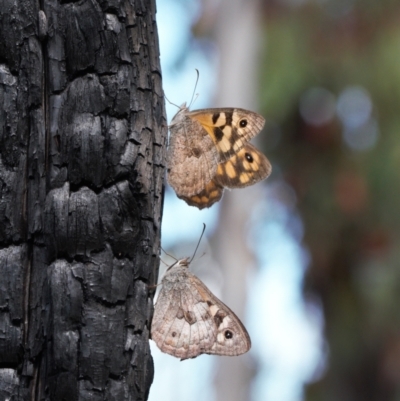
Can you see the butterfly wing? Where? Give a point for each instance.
(182, 325)
(247, 167)
(229, 128)
(206, 146)
(189, 320)
(211, 194)
(192, 157)
(232, 337)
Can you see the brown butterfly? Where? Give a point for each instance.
(189, 320)
(209, 150)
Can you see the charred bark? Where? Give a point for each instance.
(82, 140)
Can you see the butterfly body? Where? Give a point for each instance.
(209, 150)
(189, 320)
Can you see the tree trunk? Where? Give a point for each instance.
(237, 88)
(82, 147)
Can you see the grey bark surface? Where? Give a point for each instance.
(82, 148)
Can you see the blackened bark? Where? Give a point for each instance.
(82, 141)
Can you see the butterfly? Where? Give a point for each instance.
(209, 151)
(189, 320)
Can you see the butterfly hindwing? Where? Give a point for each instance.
(192, 157)
(182, 326)
(207, 197)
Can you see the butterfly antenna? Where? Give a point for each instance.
(173, 257)
(201, 236)
(195, 86)
(164, 262)
(173, 104)
(200, 256)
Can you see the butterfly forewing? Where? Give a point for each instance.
(247, 167)
(229, 128)
(232, 336)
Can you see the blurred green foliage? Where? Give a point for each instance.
(349, 198)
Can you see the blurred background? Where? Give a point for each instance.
(307, 259)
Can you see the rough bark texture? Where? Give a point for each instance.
(82, 139)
